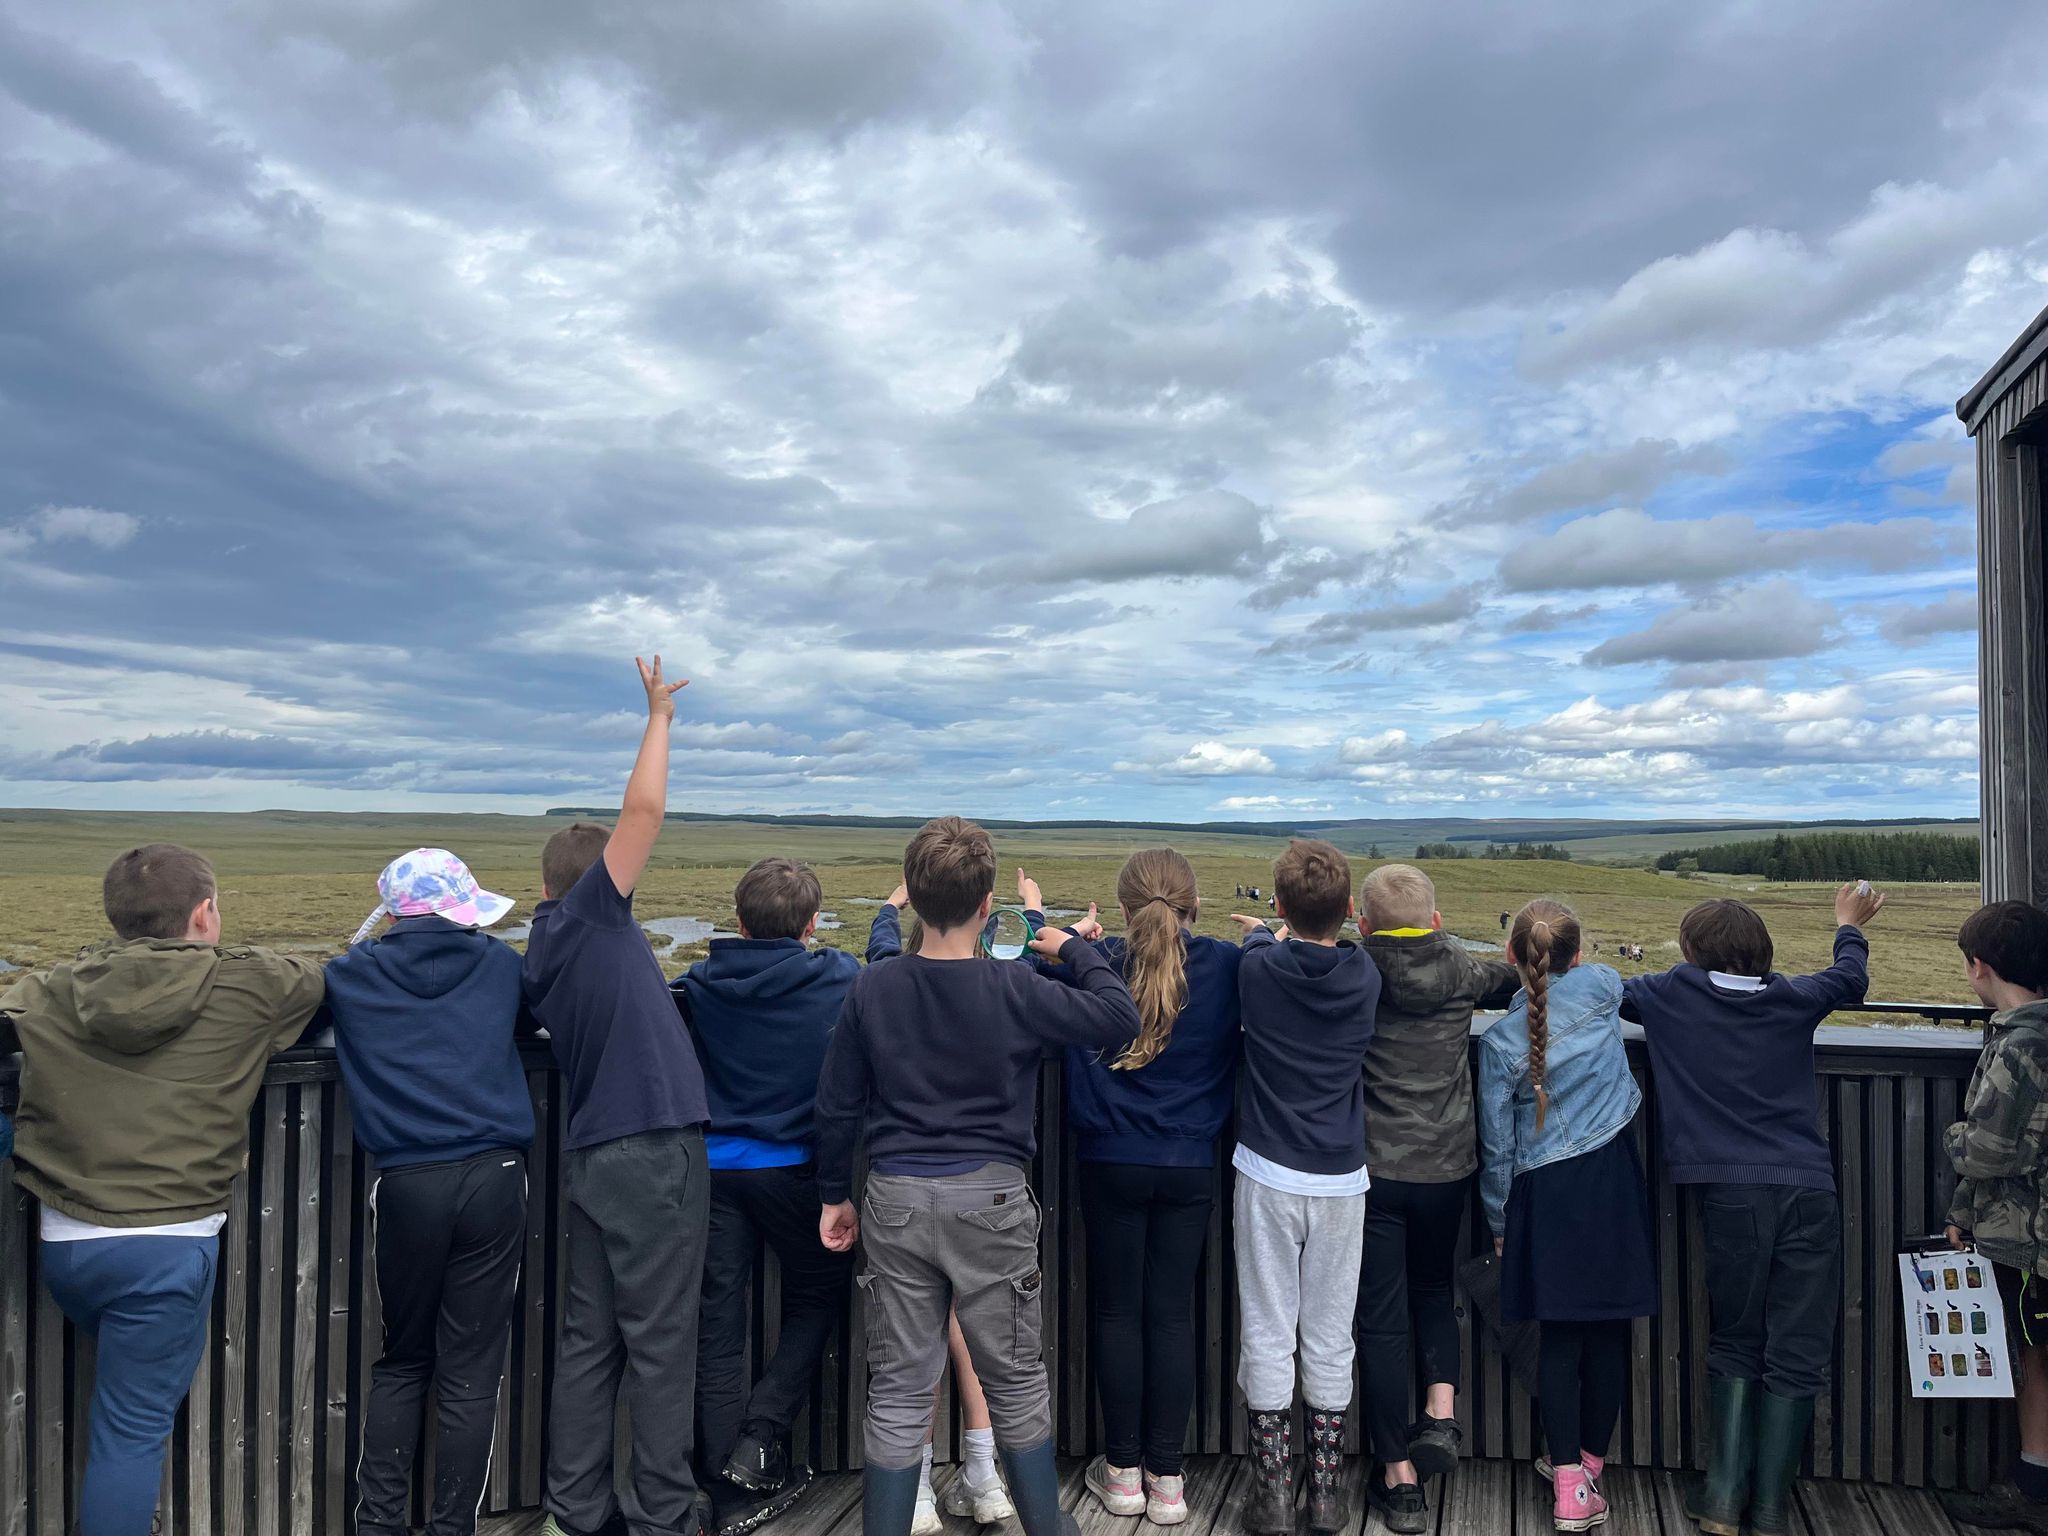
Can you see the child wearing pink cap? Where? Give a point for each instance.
(425, 1019)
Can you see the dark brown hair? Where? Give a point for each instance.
(149, 892)
(1725, 935)
(777, 899)
(949, 867)
(569, 855)
(2012, 938)
(1156, 889)
(1312, 887)
(1543, 942)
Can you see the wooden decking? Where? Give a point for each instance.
(1486, 1498)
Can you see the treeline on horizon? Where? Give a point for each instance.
(1837, 856)
(1495, 851)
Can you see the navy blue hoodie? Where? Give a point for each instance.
(1308, 1017)
(761, 1012)
(1736, 1095)
(1169, 1112)
(425, 1017)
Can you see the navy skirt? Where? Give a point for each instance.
(1577, 1248)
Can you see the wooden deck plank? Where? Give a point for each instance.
(1632, 1502)
(1479, 1501)
(1841, 1509)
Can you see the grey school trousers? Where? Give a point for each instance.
(970, 1240)
(1297, 1276)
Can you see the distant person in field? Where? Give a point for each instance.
(1145, 1121)
(141, 1060)
(633, 1169)
(425, 1017)
(1563, 1191)
(1307, 996)
(948, 1218)
(1422, 1147)
(761, 1008)
(2000, 1152)
(1731, 1044)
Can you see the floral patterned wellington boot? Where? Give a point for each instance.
(1269, 1510)
(1328, 1510)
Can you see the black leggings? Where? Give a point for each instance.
(1411, 1257)
(1579, 1381)
(1146, 1227)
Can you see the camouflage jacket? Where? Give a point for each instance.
(2000, 1146)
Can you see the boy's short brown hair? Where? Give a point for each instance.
(950, 866)
(2012, 938)
(1397, 896)
(777, 899)
(149, 892)
(1312, 887)
(1726, 936)
(569, 855)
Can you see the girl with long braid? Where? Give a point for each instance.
(1564, 1194)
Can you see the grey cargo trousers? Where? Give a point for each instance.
(970, 1240)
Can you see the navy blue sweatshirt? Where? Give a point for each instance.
(1734, 1070)
(938, 1059)
(425, 1017)
(1308, 1017)
(761, 1012)
(1169, 1112)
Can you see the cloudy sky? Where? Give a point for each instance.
(1175, 409)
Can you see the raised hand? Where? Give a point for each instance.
(900, 897)
(661, 696)
(1029, 896)
(1857, 903)
(1247, 923)
(1090, 927)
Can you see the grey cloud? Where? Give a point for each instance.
(1623, 475)
(1546, 617)
(1212, 533)
(1299, 574)
(1451, 606)
(1951, 614)
(1761, 623)
(1629, 548)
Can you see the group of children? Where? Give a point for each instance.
(734, 1108)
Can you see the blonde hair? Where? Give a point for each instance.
(1397, 896)
(1543, 942)
(1156, 889)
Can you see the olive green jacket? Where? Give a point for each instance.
(2000, 1146)
(140, 1061)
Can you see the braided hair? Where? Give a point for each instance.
(1543, 942)
(1156, 889)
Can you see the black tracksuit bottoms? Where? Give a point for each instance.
(449, 1238)
(778, 1206)
(1404, 1291)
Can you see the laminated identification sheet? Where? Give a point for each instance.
(1955, 1325)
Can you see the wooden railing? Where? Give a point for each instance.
(266, 1443)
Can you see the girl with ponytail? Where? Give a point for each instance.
(1146, 1122)
(1564, 1193)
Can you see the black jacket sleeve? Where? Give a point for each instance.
(843, 1085)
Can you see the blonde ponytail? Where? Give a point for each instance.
(1156, 889)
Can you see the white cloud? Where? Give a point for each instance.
(90, 525)
(1207, 760)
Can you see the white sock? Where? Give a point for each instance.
(924, 1473)
(2034, 1461)
(981, 1457)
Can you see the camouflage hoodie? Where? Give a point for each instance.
(2000, 1146)
(1418, 1078)
(140, 1061)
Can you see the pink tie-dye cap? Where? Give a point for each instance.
(434, 881)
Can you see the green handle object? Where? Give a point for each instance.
(1006, 951)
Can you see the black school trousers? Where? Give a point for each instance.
(1146, 1227)
(448, 1241)
(1774, 1284)
(778, 1207)
(1405, 1290)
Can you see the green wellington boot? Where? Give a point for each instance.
(1719, 1501)
(1781, 1426)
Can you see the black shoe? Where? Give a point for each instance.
(760, 1461)
(737, 1510)
(1999, 1508)
(1402, 1507)
(1433, 1446)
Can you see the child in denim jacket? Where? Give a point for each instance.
(1564, 1193)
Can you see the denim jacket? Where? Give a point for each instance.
(1593, 1096)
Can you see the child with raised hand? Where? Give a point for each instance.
(949, 1217)
(1422, 1148)
(1307, 998)
(1145, 1122)
(1731, 1050)
(425, 1020)
(633, 1167)
(2000, 1152)
(761, 1008)
(1563, 1191)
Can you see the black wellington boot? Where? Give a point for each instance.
(1329, 1510)
(1269, 1508)
(1034, 1480)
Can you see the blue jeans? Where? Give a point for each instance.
(147, 1301)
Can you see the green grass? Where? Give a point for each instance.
(306, 880)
